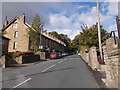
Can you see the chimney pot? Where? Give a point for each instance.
(22, 18)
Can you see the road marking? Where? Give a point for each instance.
(60, 61)
(48, 68)
(65, 59)
(21, 83)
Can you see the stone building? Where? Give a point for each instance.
(5, 43)
(16, 31)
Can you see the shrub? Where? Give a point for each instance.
(29, 52)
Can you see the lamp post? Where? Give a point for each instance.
(99, 33)
(41, 37)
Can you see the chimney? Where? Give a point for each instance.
(5, 22)
(22, 18)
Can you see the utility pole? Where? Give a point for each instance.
(99, 33)
(41, 29)
(40, 39)
(118, 26)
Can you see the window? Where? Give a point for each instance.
(15, 45)
(15, 25)
(16, 34)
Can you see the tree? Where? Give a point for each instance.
(89, 37)
(64, 38)
(34, 33)
(54, 33)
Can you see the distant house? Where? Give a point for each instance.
(16, 31)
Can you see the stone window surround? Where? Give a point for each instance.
(15, 25)
(16, 34)
(15, 45)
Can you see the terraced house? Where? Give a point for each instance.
(16, 31)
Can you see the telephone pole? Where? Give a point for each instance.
(40, 32)
(118, 26)
(99, 33)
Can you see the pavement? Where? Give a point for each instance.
(67, 72)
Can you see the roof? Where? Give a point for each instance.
(3, 29)
(12, 21)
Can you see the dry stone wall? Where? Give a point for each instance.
(111, 55)
(90, 58)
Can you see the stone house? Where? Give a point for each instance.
(5, 43)
(16, 31)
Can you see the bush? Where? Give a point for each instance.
(13, 55)
(82, 47)
(28, 52)
(17, 54)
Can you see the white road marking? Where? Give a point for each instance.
(65, 59)
(21, 83)
(48, 68)
(60, 61)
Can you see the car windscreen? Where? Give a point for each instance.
(53, 53)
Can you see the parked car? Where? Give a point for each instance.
(79, 54)
(63, 54)
(54, 55)
(59, 55)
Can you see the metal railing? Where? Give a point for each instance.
(114, 36)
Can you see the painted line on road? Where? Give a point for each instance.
(21, 83)
(49, 68)
(65, 59)
(60, 61)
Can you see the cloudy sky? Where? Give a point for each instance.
(64, 17)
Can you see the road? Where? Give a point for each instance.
(67, 72)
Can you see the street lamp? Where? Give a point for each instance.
(99, 33)
(40, 32)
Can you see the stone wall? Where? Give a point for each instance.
(2, 62)
(18, 60)
(111, 54)
(90, 57)
(8, 61)
(43, 55)
(93, 61)
(85, 56)
(30, 58)
(27, 59)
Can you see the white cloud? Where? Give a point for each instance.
(89, 18)
(112, 28)
(110, 0)
(82, 6)
(68, 24)
(64, 31)
(73, 28)
(71, 33)
(74, 33)
(59, 20)
(113, 8)
(110, 17)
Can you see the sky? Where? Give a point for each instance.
(64, 17)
